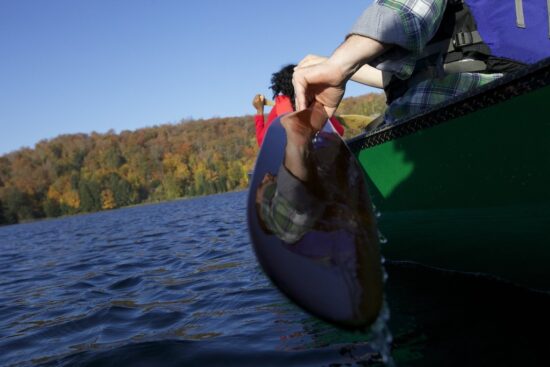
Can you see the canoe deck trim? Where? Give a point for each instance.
(529, 79)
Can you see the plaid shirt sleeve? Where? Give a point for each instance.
(288, 209)
(434, 91)
(409, 24)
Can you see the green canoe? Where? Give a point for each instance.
(465, 187)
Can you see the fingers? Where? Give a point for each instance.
(306, 81)
(258, 101)
(267, 179)
(323, 82)
(300, 84)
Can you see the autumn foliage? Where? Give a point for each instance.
(89, 172)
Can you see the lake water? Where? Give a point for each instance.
(177, 284)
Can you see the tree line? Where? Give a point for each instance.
(81, 173)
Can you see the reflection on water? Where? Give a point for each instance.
(176, 284)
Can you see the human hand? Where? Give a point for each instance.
(310, 60)
(301, 126)
(323, 82)
(266, 181)
(258, 103)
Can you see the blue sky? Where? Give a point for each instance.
(93, 65)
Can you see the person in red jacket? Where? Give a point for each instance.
(283, 95)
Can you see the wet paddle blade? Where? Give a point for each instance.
(317, 241)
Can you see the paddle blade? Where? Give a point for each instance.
(312, 226)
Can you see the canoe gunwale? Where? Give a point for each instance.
(524, 81)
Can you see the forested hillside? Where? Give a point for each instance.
(89, 172)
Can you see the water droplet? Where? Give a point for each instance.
(381, 238)
(376, 212)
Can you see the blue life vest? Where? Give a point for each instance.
(487, 36)
(514, 29)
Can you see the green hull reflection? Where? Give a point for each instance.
(466, 187)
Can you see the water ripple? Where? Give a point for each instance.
(169, 284)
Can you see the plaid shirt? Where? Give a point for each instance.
(411, 24)
(287, 209)
(281, 217)
(434, 91)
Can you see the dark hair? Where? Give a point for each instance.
(281, 82)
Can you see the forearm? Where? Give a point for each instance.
(355, 52)
(366, 74)
(370, 76)
(295, 161)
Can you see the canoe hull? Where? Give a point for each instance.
(465, 187)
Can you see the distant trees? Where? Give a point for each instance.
(90, 194)
(371, 104)
(85, 173)
(17, 206)
(117, 189)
